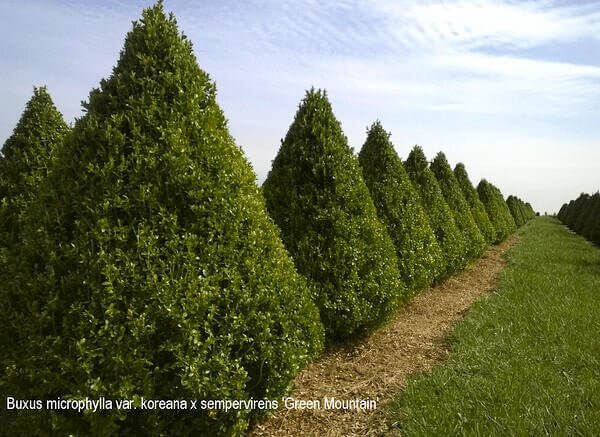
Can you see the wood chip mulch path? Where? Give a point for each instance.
(378, 366)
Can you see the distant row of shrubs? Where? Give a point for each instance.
(582, 215)
(138, 257)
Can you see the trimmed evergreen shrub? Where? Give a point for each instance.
(399, 208)
(576, 210)
(477, 209)
(516, 210)
(316, 193)
(26, 158)
(590, 225)
(567, 212)
(524, 211)
(582, 215)
(149, 267)
(438, 212)
(562, 211)
(497, 210)
(530, 209)
(475, 243)
(529, 212)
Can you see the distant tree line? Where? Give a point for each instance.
(582, 216)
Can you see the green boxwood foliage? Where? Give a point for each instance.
(497, 209)
(591, 224)
(477, 209)
(582, 215)
(399, 207)
(532, 212)
(438, 212)
(26, 157)
(521, 211)
(565, 211)
(475, 243)
(317, 195)
(149, 266)
(515, 210)
(581, 206)
(562, 211)
(575, 210)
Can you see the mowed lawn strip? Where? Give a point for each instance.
(526, 359)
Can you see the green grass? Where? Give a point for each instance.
(526, 359)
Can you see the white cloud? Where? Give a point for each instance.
(426, 54)
(477, 23)
(439, 73)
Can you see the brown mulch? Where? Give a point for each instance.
(377, 367)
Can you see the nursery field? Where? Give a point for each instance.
(525, 360)
(141, 263)
(378, 366)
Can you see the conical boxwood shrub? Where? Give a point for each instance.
(576, 210)
(526, 210)
(582, 215)
(592, 220)
(515, 210)
(399, 208)
(316, 194)
(26, 158)
(438, 212)
(149, 266)
(532, 212)
(568, 211)
(586, 209)
(521, 211)
(477, 209)
(497, 209)
(562, 212)
(475, 243)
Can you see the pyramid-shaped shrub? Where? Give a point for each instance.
(523, 211)
(440, 217)
(516, 210)
(590, 225)
(26, 157)
(528, 212)
(583, 216)
(477, 209)
(568, 211)
(475, 242)
(316, 193)
(150, 267)
(576, 210)
(399, 208)
(532, 213)
(497, 209)
(562, 211)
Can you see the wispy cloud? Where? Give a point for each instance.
(450, 55)
(482, 23)
(439, 72)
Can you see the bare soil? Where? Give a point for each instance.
(377, 367)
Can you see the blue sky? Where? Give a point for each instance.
(510, 88)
